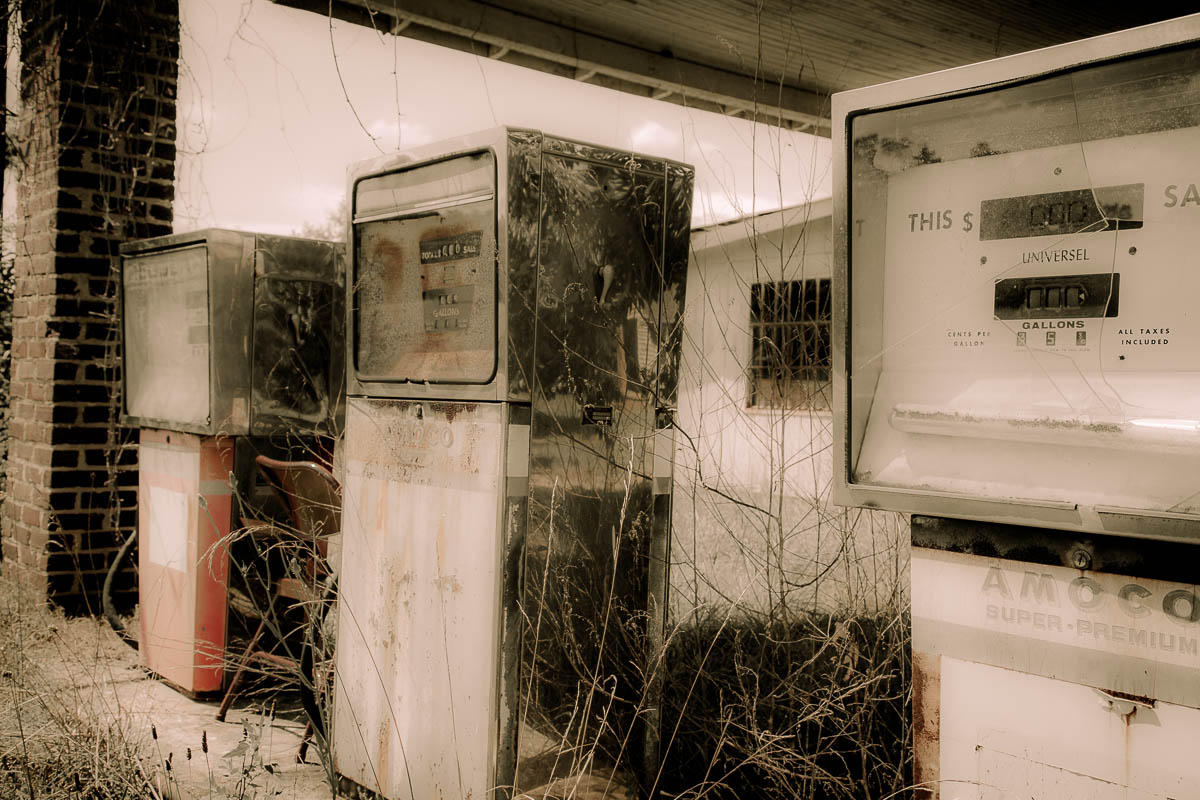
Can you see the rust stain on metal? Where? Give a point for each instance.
(1140, 699)
(927, 690)
(449, 582)
(1125, 749)
(392, 254)
(385, 741)
(443, 231)
(452, 410)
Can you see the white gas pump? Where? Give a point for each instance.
(514, 326)
(1017, 365)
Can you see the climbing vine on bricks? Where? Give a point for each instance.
(95, 150)
(6, 298)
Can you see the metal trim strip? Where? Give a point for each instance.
(1170, 683)
(399, 212)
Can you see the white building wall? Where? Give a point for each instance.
(753, 529)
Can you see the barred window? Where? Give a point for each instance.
(789, 356)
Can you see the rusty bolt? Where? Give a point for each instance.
(1081, 559)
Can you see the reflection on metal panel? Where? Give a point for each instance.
(418, 599)
(668, 336)
(524, 215)
(298, 369)
(586, 557)
(295, 325)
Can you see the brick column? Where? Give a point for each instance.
(95, 143)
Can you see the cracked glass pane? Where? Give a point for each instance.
(1021, 270)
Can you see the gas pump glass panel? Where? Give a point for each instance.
(425, 296)
(1022, 290)
(167, 335)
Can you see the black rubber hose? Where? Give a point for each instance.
(110, 613)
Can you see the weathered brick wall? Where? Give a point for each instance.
(95, 145)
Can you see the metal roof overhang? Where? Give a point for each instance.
(775, 61)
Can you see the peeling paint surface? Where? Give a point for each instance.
(184, 504)
(416, 690)
(1008, 735)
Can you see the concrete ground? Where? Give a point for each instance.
(251, 755)
(74, 703)
(250, 751)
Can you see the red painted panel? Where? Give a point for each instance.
(184, 504)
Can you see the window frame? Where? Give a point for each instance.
(800, 317)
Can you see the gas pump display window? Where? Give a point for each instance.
(166, 321)
(425, 297)
(1022, 287)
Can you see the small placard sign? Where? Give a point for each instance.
(451, 248)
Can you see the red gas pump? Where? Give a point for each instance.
(232, 346)
(185, 509)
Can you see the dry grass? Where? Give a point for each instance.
(80, 720)
(816, 707)
(52, 743)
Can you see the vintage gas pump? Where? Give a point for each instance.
(514, 317)
(1018, 356)
(232, 345)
